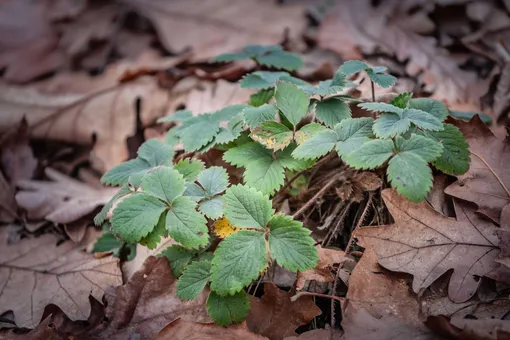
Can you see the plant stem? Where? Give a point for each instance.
(300, 294)
(360, 221)
(317, 195)
(373, 90)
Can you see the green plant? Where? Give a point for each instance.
(286, 127)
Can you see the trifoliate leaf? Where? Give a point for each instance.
(308, 131)
(291, 245)
(410, 175)
(332, 111)
(186, 225)
(284, 157)
(136, 216)
(292, 101)
(179, 257)
(455, 157)
(353, 66)
(246, 153)
(402, 100)
(179, 115)
(352, 134)
(272, 135)
(231, 132)
(382, 79)
(426, 148)
(281, 59)
(223, 227)
(266, 175)
(317, 146)
(198, 131)
(432, 106)
(101, 217)
(164, 183)
(213, 180)
(120, 174)
(193, 280)
(135, 180)
(423, 120)
(381, 107)
(226, 310)
(390, 125)
(189, 168)
(254, 116)
(151, 241)
(155, 152)
(239, 259)
(212, 207)
(261, 97)
(370, 155)
(267, 79)
(339, 79)
(228, 112)
(326, 87)
(247, 208)
(229, 57)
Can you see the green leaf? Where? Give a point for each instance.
(317, 146)
(379, 69)
(231, 132)
(186, 225)
(370, 155)
(193, 280)
(332, 111)
(266, 175)
(432, 106)
(254, 116)
(258, 50)
(353, 66)
(194, 192)
(246, 153)
(410, 175)
(151, 241)
(179, 257)
(381, 107)
(155, 152)
(214, 180)
(390, 125)
(402, 100)
(292, 101)
(164, 183)
(213, 207)
(352, 134)
(281, 59)
(226, 310)
(247, 207)
(455, 157)
(136, 216)
(101, 217)
(261, 97)
(135, 180)
(239, 259)
(189, 168)
(426, 148)
(120, 174)
(272, 135)
(198, 131)
(467, 116)
(228, 112)
(229, 57)
(267, 79)
(106, 242)
(291, 245)
(284, 157)
(179, 115)
(423, 120)
(382, 79)
(308, 131)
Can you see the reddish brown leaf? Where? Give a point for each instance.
(469, 329)
(367, 181)
(184, 330)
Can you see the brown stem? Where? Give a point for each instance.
(373, 90)
(300, 294)
(315, 197)
(360, 221)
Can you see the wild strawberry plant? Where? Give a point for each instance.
(287, 125)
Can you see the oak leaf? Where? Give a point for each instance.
(322, 272)
(184, 330)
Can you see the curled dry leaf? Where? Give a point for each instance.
(184, 330)
(39, 271)
(426, 244)
(276, 316)
(63, 200)
(367, 181)
(487, 182)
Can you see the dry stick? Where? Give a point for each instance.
(315, 197)
(300, 294)
(329, 236)
(373, 90)
(333, 301)
(361, 219)
(493, 172)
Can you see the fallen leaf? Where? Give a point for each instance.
(317, 334)
(63, 200)
(437, 198)
(469, 329)
(76, 230)
(45, 330)
(184, 330)
(426, 245)
(276, 316)
(39, 271)
(322, 272)
(220, 26)
(8, 206)
(487, 181)
(148, 302)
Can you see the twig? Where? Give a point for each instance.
(373, 90)
(315, 197)
(493, 172)
(300, 294)
(333, 300)
(360, 221)
(327, 239)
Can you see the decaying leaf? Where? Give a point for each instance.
(276, 316)
(63, 200)
(317, 334)
(39, 271)
(470, 329)
(426, 244)
(8, 206)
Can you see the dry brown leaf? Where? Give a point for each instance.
(148, 302)
(185, 330)
(63, 200)
(487, 182)
(220, 26)
(322, 272)
(367, 181)
(39, 271)
(437, 198)
(426, 244)
(276, 316)
(469, 329)
(45, 330)
(317, 334)
(8, 206)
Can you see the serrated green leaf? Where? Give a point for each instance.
(352, 134)
(467, 116)
(228, 112)
(402, 100)
(136, 216)
(238, 260)
(370, 155)
(332, 111)
(189, 168)
(246, 153)
(247, 207)
(281, 60)
(410, 175)
(381, 107)
(261, 97)
(212, 207)
(107, 242)
(254, 116)
(317, 146)
(292, 101)
(198, 131)
(272, 135)
(291, 245)
(339, 79)
(226, 310)
(120, 174)
(229, 57)
(151, 241)
(455, 158)
(213, 180)
(390, 125)
(155, 152)
(186, 225)
(432, 106)
(179, 257)
(382, 79)
(194, 192)
(308, 131)
(267, 79)
(231, 132)
(324, 88)
(135, 180)
(426, 148)
(258, 50)
(193, 280)
(266, 175)
(179, 115)
(379, 69)
(101, 216)
(164, 183)
(353, 66)
(284, 157)
(423, 120)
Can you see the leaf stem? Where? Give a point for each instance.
(493, 172)
(300, 294)
(360, 221)
(373, 90)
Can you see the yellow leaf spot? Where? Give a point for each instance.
(223, 228)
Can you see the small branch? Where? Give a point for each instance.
(315, 197)
(300, 294)
(373, 90)
(360, 221)
(493, 172)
